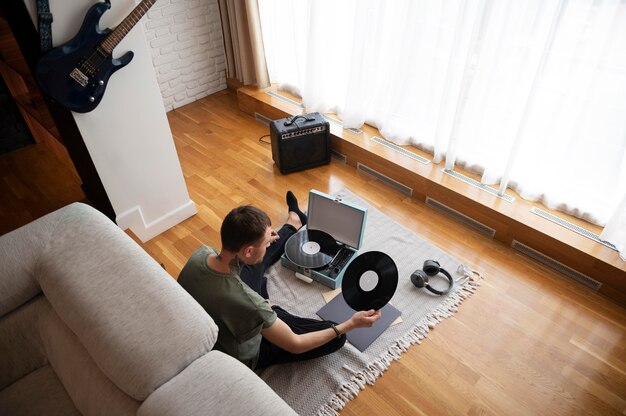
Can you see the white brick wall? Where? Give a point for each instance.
(187, 49)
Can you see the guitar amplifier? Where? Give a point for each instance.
(300, 142)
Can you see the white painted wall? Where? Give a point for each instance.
(187, 45)
(128, 135)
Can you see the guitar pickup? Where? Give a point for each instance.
(79, 77)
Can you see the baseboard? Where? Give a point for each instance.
(508, 220)
(133, 219)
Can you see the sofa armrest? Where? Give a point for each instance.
(215, 384)
(135, 321)
(20, 251)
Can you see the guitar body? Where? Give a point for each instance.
(76, 73)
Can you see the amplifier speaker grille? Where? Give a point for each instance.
(300, 142)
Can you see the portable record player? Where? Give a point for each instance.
(323, 249)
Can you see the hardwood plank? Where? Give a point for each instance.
(529, 341)
(512, 221)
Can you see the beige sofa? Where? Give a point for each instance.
(90, 324)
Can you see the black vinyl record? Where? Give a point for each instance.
(370, 281)
(311, 248)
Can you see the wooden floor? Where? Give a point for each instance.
(528, 342)
(34, 181)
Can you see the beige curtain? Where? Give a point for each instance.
(245, 55)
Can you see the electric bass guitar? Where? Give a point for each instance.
(76, 73)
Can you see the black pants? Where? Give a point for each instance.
(254, 276)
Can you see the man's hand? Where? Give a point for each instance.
(274, 237)
(365, 319)
(361, 319)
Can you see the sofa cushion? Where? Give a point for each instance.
(216, 384)
(21, 350)
(39, 393)
(19, 251)
(91, 391)
(139, 326)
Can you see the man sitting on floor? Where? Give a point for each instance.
(231, 286)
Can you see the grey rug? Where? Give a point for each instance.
(325, 385)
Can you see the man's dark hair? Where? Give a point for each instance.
(242, 226)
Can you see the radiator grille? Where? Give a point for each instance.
(338, 155)
(477, 184)
(385, 179)
(399, 149)
(262, 119)
(556, 265)
(285, 99)
(572, 227)
(461, 217)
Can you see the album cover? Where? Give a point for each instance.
(337, 310)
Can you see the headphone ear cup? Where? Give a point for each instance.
(431, 267)
(419, 278)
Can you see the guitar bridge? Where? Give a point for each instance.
(79, 77)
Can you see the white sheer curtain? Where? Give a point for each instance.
(615, 229)
(532, 94)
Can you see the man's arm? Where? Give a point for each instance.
(280, 334)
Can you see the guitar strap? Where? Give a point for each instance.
(45, 25)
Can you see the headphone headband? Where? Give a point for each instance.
(431, 268)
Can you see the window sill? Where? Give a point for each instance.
(512, 221)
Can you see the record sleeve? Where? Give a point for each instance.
(338, 311)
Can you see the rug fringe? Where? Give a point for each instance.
(420, 331)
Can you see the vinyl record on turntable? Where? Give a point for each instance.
(311, 248)
(370, 281)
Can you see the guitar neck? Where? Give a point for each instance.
(116, 36)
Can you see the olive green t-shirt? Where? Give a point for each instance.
(239, 312)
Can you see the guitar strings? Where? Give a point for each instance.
(93, 62)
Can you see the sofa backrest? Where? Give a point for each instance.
(107, 296)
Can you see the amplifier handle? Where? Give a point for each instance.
(294, 118)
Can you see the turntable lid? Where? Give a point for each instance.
(343, 220)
